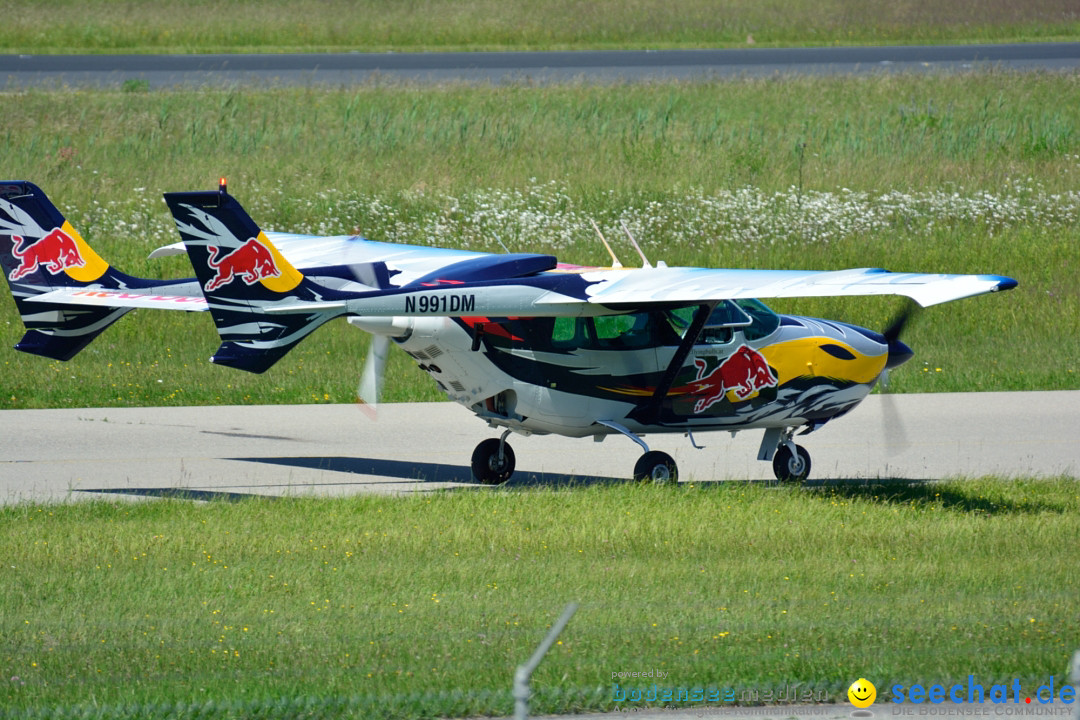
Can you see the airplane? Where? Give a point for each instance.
(528, 344)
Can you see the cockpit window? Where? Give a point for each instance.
(728, 314)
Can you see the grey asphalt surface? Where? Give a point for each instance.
(25, 71)
(215, 452)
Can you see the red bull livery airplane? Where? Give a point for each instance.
(529, 345)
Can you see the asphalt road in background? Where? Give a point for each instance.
(233, 451)
(157, 71)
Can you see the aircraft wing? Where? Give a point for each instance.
(647, 286)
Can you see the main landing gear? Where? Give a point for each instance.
(656, 467)
(493, 460)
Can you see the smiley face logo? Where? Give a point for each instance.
(862, 693)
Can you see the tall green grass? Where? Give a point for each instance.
(975, 131)
(378, 25)
(389, 607)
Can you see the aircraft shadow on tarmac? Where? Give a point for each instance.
(421, 472)
(883, 491)
(179, 494)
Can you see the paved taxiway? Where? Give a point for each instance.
(343, 69)
(55, 455)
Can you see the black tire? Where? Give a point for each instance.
(790, 467)
(656, 467)
(486, 466)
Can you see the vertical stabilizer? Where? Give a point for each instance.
(248, 284)
(41, 252)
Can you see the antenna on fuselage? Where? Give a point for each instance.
(644, 260)
(614, 260)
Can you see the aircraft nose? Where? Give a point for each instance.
(899, 353)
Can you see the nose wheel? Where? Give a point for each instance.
(791, 465)
(493, 461)
(656, 467)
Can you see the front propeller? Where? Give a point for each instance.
(896, 437)
(899, 353)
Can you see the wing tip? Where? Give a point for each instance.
(1002, 283)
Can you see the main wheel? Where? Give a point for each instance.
(791, 467)
(656, 467)
(488, 467)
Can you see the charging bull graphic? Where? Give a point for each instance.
(251, 262)
(744, 373)
(55, 251)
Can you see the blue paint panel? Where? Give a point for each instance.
(489, 267)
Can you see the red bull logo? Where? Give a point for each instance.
(251, 262)
(744, 373)
(55, 252)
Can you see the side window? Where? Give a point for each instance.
(679, 319)
(609, 327)
(716, 336)
(624, 331)
(563, 333)
(571, 333)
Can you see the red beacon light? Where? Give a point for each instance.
(221, 186)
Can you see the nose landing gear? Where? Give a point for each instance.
(791, 466)
(790, 462)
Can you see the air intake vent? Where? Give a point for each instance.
(433, 351)
(457, 386)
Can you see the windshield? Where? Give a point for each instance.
(751, 316)
(763, 320)
(652, 328)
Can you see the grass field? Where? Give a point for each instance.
(422, 606)
(382, 25)
(970, 173)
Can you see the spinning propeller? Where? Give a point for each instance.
(896, 438)
(369, 392)
(899, 353)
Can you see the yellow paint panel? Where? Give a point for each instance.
(94, 266)
(805, 358)
(289, 278)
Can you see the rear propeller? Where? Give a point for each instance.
(369, 392)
